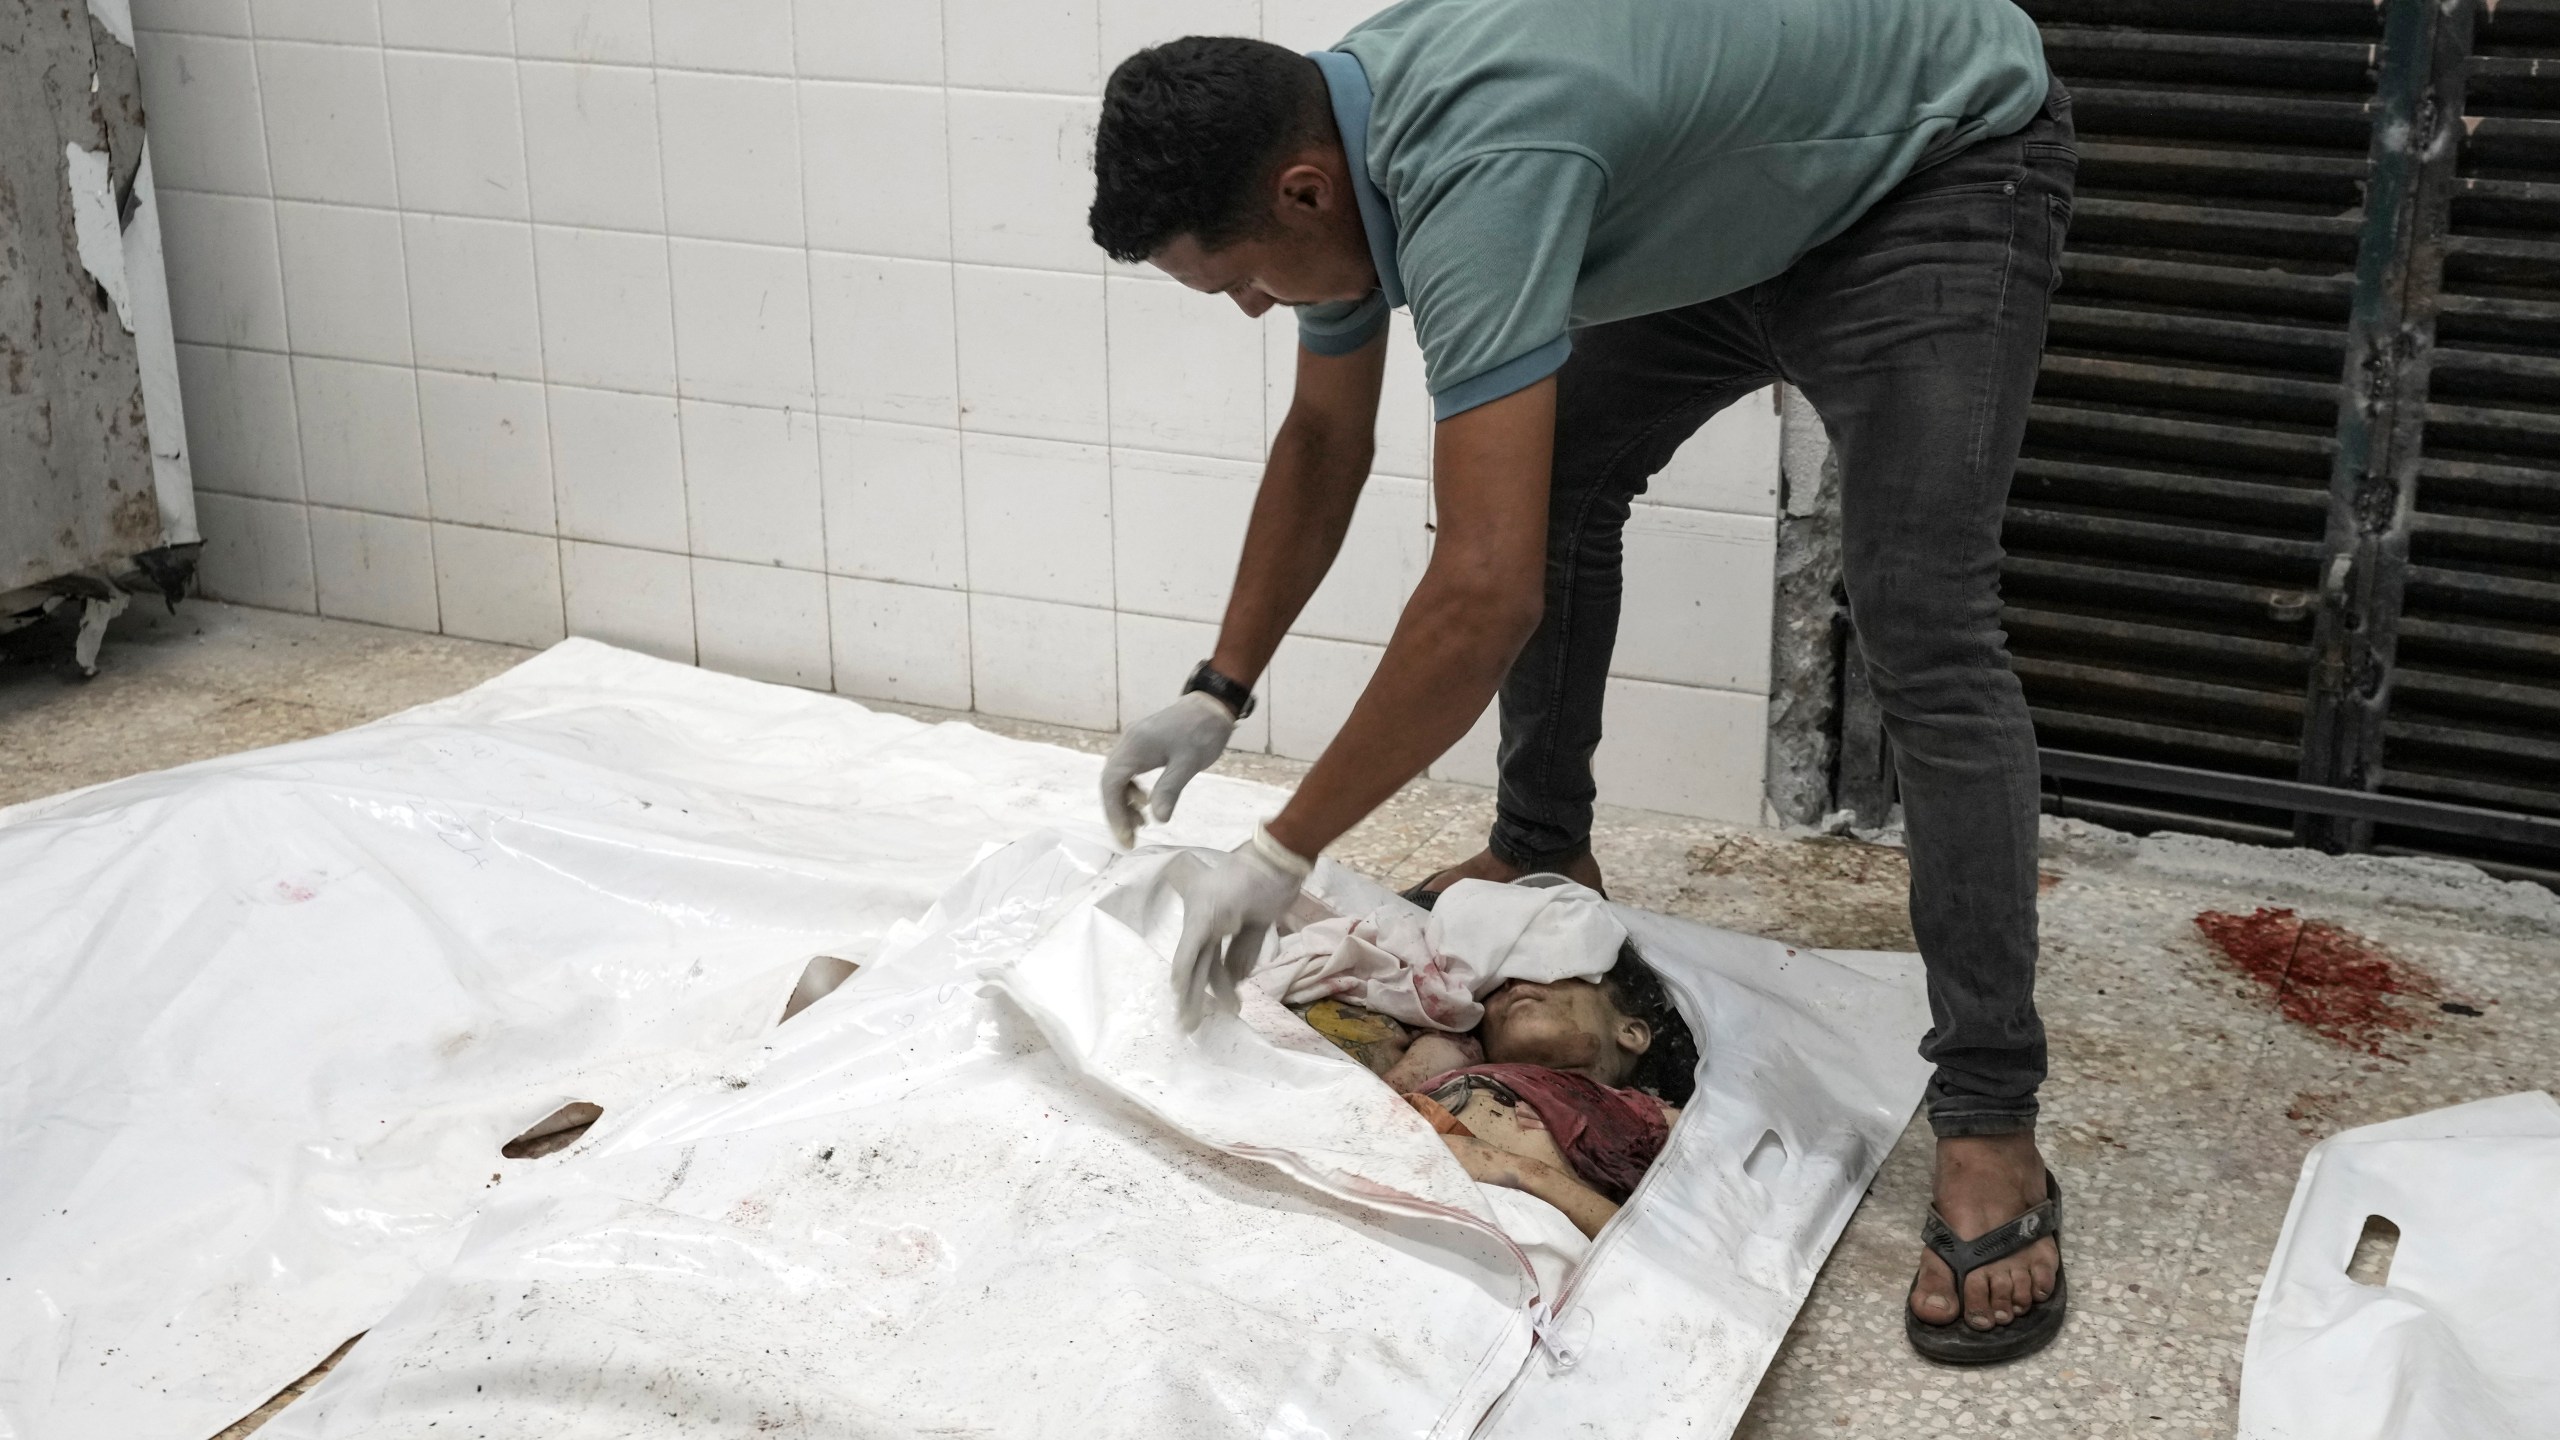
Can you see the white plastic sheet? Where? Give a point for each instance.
(902, 1214)
(265, 1021)
(1434, 967)
(2459, 1341)
(278, 1013)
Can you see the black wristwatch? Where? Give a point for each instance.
(1224, 690)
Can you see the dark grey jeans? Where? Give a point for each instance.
(1915, 334)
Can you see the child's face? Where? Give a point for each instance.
(1563, 1025)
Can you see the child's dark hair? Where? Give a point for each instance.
(1670, 1068)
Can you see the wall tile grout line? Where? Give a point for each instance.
(809, 278)
(1137, 610)
(542, 341)
(664, 230)
(284, 314)
(1141, 451)
(1110, 437)
(409, 295)
(652, 65)
(959, 399)
(675, 337)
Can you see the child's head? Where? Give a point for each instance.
(1622, 1029)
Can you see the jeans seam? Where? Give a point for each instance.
(1544, 760)
(1949, 1111)
(2012, 780)
(1984, 402)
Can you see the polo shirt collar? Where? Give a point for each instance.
(1348, 85)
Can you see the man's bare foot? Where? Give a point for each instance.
(1984, 1182)
(1485, 865)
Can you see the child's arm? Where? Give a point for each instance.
(1587, 1208)
(1433, 1052)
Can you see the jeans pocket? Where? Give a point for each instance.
(1957, 190)
(2057, 228)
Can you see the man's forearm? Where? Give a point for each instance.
(1310, 488)
(1476, 606)
(1449, 653)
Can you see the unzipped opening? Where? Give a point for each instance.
(2371, 1262)
(818, 980)
(556, 1131)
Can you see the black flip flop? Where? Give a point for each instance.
(1956, 1343)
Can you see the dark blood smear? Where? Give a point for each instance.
(2333, 982)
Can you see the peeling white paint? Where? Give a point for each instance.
(156, 348)
(93, 217)
(126, 262)
(117, 18)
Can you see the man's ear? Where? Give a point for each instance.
(1303, 188)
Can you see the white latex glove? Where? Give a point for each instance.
(1182, 739)
(1227, 909)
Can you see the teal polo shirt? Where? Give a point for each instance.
(1528, 167)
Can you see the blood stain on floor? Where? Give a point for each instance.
(2315, 1111)
(2329, 980)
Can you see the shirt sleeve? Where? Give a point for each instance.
(1338, 327)
(1491, 249)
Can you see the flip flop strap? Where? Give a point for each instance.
(1963, 1257)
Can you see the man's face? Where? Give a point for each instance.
(1311, 250)
(1263, 271)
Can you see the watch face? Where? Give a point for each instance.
(1220, 687)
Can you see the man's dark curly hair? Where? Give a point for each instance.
(1190, 130)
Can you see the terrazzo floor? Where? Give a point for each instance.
(2181, 1100)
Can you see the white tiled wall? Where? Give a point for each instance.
(766, 334)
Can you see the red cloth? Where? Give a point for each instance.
(1610, 1136)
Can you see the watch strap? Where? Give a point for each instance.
(1224, 689)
